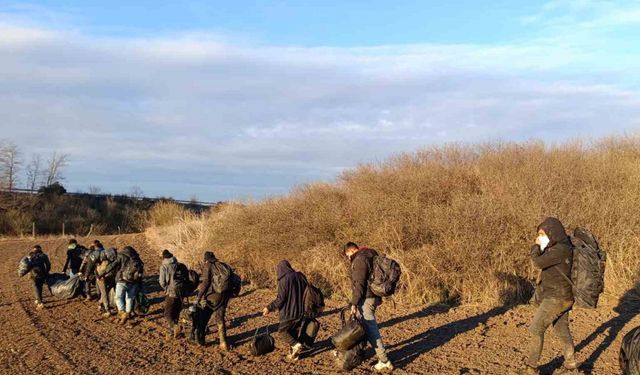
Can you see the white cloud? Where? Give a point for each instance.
(195, 114)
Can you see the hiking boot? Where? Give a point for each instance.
(177, 330)
(106, 314)
(123, 317)
(383, 366)
(294, 353)
(528, 370)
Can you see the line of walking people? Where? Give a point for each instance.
(216, 284)
(213, 287)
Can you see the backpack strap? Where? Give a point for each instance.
(574, 289)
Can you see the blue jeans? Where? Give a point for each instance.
(367, 310)
(125, 296)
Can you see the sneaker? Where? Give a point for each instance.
(39, 305)
(294, 354)
(106, 314)
(383, 366)
(570, 364)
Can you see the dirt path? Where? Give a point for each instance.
(71, 337)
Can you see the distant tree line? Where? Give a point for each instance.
(52, 210)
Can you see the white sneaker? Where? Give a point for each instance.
(383, 366)
(295, 352)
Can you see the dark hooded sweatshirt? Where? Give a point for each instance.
(361, 266)
(554, 261)
(290, 299)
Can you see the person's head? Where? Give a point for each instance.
(92, 247)
(72, 243)
(350, 249)
(551, 231)
(166, 254)
(37, 249)
(98, 244)
(209, 256)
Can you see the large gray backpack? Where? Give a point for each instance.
(587, 272)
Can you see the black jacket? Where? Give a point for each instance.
(290, 299)
(554, 262)
(361, 266)
(74, 259)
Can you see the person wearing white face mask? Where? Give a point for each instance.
(553, 255)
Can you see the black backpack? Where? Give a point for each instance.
(384, 277)
(630, 353)
(313, 300)
(587, 271)
(221, 279)
(133, 269)
(263, 343)
(181, 280)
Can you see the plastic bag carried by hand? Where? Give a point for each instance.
(64, 288)
(24, 266)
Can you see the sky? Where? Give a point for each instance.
(244, 100)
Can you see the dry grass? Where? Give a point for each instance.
(460, 219)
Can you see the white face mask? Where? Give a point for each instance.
(544, 242)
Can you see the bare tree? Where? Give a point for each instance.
(55, 165)
(95, 190)
(136, 192)
(34, 172)
(9, 164)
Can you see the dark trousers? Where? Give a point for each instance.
(288, 331)
(201, 318)
(89, 284)
(550, 312)
(38, 283)
(172, 308)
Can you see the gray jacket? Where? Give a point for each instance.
(167, 270)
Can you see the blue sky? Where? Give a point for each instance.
(235, 100)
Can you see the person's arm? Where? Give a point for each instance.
(359, 275)
(548, 258)
(281, 297)
(206, 281)
(47, 265)
(66, 264)
(163, 280)
(110, 267)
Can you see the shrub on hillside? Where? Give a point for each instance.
(459, 219)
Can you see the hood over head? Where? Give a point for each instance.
(209, 257)
(555, 231)
(283, 268)
(127, 251)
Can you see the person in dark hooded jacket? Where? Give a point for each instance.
(553, 255)
(209, 303)
(290, 304)
(41, 266)
(173, 295)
